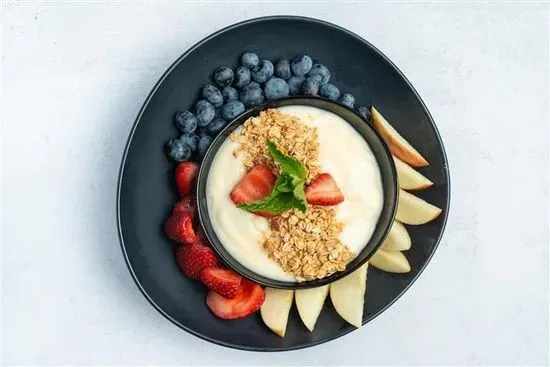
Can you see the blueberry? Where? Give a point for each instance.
(276, 88)
(254, 84)
(301, 65)
(294, 84)
(185, 121)
(178, 150)
(232, 109)
(203, 131)
(204, 111)
(365, 112)
(242, 77)
(252, 96)
(230, 94)
(192, 140)
(330, 91)
(215, 126)
(223, 76)
(250, 60)
(212, 95)
(347, 100)
(263, 71)
(310, 87)
(282, 69)
(321, 70)
(204, 143)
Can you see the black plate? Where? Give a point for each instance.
(146, 189)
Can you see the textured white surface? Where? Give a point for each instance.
(73, 79)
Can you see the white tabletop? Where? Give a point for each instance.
(73, 80)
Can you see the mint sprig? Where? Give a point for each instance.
(288, 191)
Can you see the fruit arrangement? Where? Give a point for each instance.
(251, 84)
(230, 296)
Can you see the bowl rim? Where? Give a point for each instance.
(145, 105)
(383, 225)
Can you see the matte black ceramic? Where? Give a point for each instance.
(146, 189)
(387, 172)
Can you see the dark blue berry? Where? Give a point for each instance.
(192, 140)
(330, 91)
(230, 94)
(276, 88)
(185, 121)
(250, 60)
(254, 84)
(294, 84)
(178, 150)
(205, 112)
(223, 76)
(232, 109)
(310, 87)
(321, 70)
(263, 71)
(252, 96)
(204, 143)
(347, 100)
(365, 112)
(215, 126)
(212, 95)
(301, 65)
(282, 69)
(242, 77)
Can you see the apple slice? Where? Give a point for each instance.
(398, 238)
(310, 303)
(409, 178)
(392, 262)
(275, 309)
(399, 147)
(348, 295)
(413, 210)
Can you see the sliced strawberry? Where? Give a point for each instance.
(179, 227)
(322, 190)
(192, 259)
(186, 176)
(201, 237)
(255, 185)
(249, 299)
(222, 281)
(185, 205)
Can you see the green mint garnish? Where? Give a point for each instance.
(288, 191)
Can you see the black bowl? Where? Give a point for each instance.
(387, 171)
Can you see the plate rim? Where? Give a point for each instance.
(146, 104)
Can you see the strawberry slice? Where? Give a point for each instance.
(255, 185)
(186, 176)
(193, 259)
(179, 227)
(185, 205)
(322, 190)
(201, 237)
(222, 281)
(249, 299)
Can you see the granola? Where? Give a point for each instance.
(304, 244)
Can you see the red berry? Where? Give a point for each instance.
(222, 281)
(186, 176)
(255, 185)
(322, 190)
(185, 205)
(192, 259)
(179, 227)
(249, 299)
(201, 237)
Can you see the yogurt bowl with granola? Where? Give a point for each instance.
(297, 193)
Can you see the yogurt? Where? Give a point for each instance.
(342, 152)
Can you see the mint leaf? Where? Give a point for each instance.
(288, 164)
(288, 192)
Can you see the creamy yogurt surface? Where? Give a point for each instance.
(342, 152)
